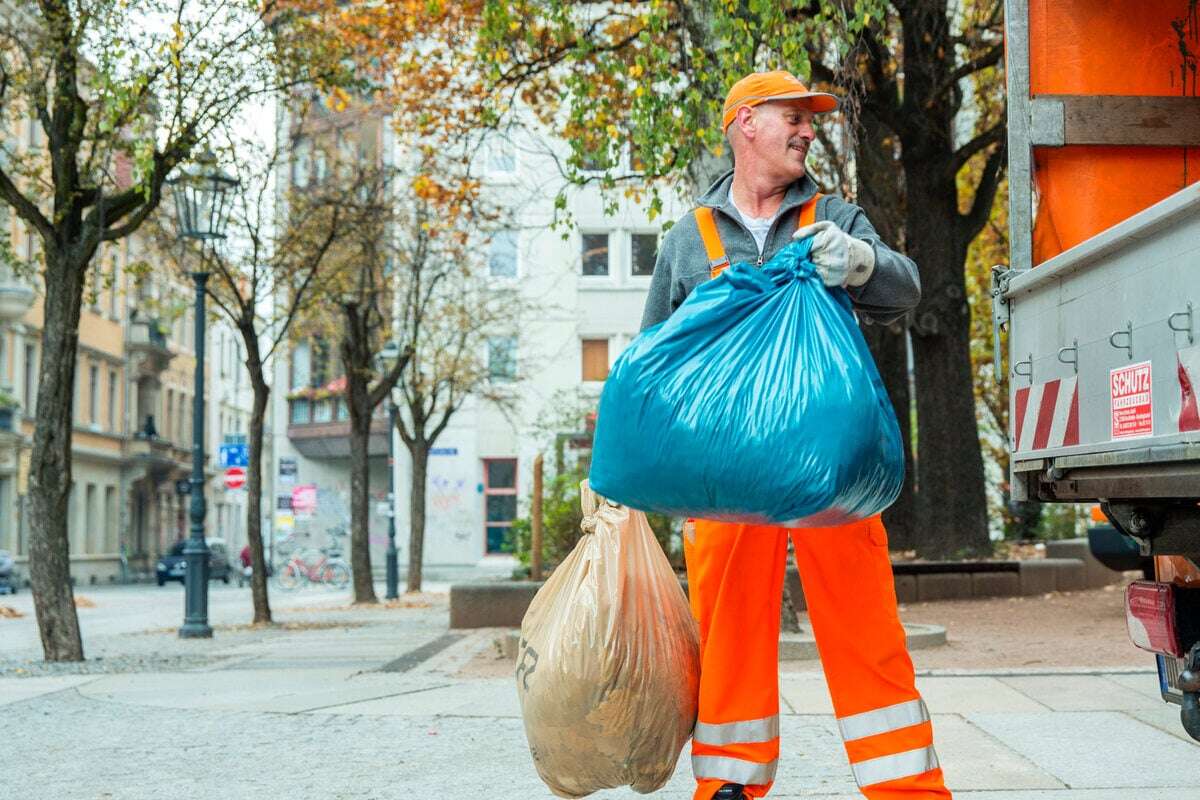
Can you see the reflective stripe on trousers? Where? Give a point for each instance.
(893, 719)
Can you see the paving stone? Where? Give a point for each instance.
(1037, 577)
(1097, 749)
(1079, 692)
(1070, 574)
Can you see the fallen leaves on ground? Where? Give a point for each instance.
(84, 602)
(8, 612)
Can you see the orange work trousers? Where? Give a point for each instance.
(735, 583)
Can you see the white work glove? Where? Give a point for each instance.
(841, 260)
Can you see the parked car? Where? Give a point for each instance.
(173, 565)
(8, 574)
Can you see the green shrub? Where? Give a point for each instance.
(561, 517)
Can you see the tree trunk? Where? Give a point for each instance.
(360, 521)
(950, 465)
(419, 450)
(881, 196)
(50, 464)
(258, 561)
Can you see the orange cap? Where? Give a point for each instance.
(759, 87)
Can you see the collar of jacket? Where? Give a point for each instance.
(717, 196)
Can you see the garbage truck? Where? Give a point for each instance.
(1101, 298)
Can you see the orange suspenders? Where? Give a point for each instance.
(717, 260)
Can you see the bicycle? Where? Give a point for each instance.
(328, 569)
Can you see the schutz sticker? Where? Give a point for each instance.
(1131, 401)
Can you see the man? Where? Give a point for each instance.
(735, 572)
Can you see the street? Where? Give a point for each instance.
(385, 703)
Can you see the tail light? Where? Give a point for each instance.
(1150, 613)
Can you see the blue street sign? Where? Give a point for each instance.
(235, 455)
(443, 451)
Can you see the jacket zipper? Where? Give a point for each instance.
(770, 231)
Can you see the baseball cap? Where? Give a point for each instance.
(759, 87)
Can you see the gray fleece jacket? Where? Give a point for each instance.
(893, 288)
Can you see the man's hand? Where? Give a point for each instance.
(841, 260)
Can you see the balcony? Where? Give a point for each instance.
(320, 428)
(156, 455)
(16, 297)
(147, 347)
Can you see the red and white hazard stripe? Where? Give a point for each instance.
(1046, 415)
(1189, 384)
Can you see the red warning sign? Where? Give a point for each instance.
(1132, 401)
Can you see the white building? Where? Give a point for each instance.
(594, 282)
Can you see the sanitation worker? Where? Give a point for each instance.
(735, 572)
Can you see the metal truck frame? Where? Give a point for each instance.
(1104, 339)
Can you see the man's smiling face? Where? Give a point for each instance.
(784, 132)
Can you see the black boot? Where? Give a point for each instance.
(730, 791)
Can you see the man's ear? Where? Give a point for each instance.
(746, 122)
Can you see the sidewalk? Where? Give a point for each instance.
(389, 705)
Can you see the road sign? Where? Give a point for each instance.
(235, 478)
(235, 455)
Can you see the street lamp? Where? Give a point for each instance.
(201, 196)
(387, 356)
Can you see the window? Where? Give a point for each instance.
(30, 378)
(595, 359)
(502, 255)
(114, 289)
(501, 154)
(94, 395)
(301, 366)
(645, 251)
(323, 411)
(110, 520)
(112, 401)
(595, 254)
(343, 410)
(301, 162)
(169, 415)
(500, 502)
(502, 358)
(300, 412)
(91, 530)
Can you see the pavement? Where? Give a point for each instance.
(342, 702)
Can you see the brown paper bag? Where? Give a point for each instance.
(608, 668)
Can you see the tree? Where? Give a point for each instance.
(272, 274)
(366, 300)
(121, 97)
(655, 75)
(458, 322)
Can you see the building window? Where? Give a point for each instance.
(595, 359)
(301, 366)
(300, 412)
(301, 162)
(502, 255)
(595, 254)
(165, 430)
(91, 531)
(645, 251)
(110, 520)
(94, 395)
(30, 378)
(323, 411)
(112, 401)
(502, 358)
(500, 502)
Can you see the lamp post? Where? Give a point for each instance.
(200, 194)
(390, 353)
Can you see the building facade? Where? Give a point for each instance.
(133, 411)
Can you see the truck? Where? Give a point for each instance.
(1101, 298)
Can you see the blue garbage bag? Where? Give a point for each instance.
(757, 401)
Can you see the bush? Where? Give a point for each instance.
(561, 517)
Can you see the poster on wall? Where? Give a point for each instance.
(304, 500)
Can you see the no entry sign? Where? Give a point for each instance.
(1132, 401)
(235, 478)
